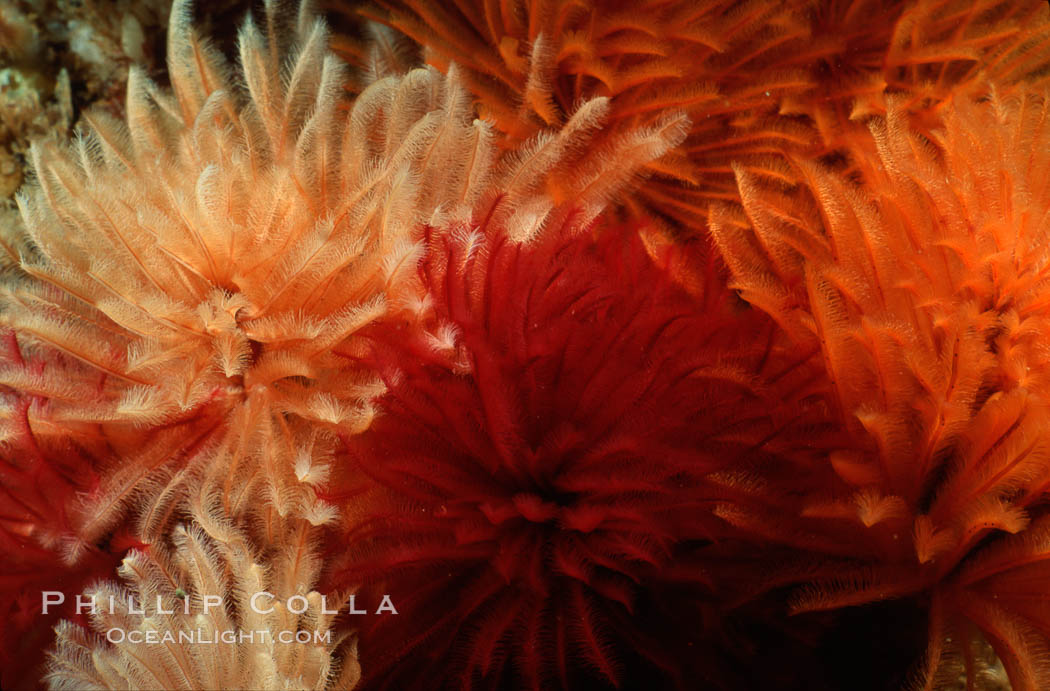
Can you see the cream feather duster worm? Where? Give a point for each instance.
(161, 631)
(196, 276)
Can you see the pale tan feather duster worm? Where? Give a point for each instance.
(236, 644)
(194, 272)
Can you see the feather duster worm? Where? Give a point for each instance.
(40, 473)
(187, 618)
(201, 261)
(528, 64)
(543, 454)
(745, 71)
(921, 52)
(200, 264)
(186, 278)
(999, 596)
(926, 290)
(372, 50)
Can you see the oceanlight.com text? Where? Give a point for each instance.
(213, 636)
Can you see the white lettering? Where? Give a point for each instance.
(48, 598)
(386, 605)
(82, 603)
(353, 609)
(211, 601)
(255, 597)
(160, 607)
(298, 598)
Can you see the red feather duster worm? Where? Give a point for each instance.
(926, 290)
(43, 469)
(546, 455)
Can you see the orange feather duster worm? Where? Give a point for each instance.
(920, 52)
(925, 287)
(758, 78)
(529, 63)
